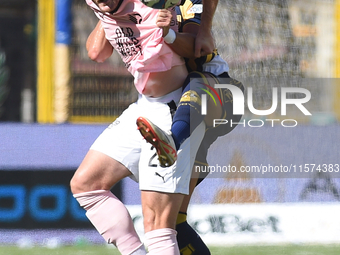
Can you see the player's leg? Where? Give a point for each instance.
(113, 156)
(162, 193)
(97, 172)
(188, 239)
(219, 104)
(189, 242)
(227, 106)
(190, 99)
(91, 186)
(160, 211)
(188, 114)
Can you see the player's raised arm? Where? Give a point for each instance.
(204, 43)
(182, 43)
(98, 47)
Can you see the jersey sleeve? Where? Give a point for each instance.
(189, 12)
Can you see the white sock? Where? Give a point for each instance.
(162, 242)
(112, 220)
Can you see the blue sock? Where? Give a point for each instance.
(180, 131)
(186, 119)
(188, 114)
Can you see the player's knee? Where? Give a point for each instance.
(75, 184)
(214, 111)
(79, 183)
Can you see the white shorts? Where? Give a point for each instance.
(122, 141)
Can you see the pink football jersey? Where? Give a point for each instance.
(133, 32)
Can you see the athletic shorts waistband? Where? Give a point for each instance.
(172, 96)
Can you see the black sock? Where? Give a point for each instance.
(189, 242)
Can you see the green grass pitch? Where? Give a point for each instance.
(234, 250)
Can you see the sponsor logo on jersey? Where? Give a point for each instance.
(196, 8)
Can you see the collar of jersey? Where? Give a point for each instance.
(119, 4)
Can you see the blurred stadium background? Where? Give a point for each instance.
(54, 102)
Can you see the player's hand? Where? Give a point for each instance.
(204, 43)
(164, 20)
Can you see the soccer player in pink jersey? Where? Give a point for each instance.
(130, 27)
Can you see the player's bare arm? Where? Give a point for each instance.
(204, 43)
(184, 43)
(98, 47)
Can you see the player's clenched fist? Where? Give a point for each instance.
(164, 20)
